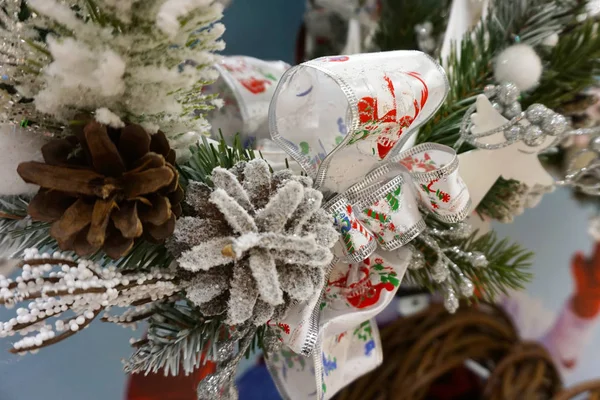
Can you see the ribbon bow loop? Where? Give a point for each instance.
(387, 210)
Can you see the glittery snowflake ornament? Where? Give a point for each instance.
(256, 242)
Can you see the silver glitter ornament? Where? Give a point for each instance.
(595, 144)
(466, 287)
(533, 136)
(512, 110)
(479, 260)
(536, 113)
(418, 259)
(508, 93)
(450, 300)
(440, 272)
(555, 124)
(513, 133)
(489, 90)
(498, 107)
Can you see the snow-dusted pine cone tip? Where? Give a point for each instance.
(255, 243)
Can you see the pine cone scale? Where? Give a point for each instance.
(104, 154)
(80, 181)
(116, 245)
(145, 182)
(99, 221)
(75, 218)
(48, 206)
(158, 233)
(158, 213)
(134, 143)
(160, 145)
(149, 161)
(80, 244)
(126, 220)
(57, 152)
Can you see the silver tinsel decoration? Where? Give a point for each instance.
(450, 299)
(444, 269)
(532, 126)
(220, 385)
(257, 243)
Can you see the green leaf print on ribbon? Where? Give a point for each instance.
(304, 148)
(386, 274)
(392, 198)
(364, 332)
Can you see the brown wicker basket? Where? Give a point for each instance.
(419, 351)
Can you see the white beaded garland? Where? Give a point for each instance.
(82, 287)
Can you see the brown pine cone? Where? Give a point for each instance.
(103, 188)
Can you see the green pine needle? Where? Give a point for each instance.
(571, 66)
(470, 67)
(18, 232)
(507, 269)
(179, 336)
(206, 157)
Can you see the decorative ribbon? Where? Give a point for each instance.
(386, 210)
(246, 86)
(344, 119)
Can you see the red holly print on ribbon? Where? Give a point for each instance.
(254, 85)
(435, 195)
(388, 127)
(336, 59)
(424, 164)
(368, 289)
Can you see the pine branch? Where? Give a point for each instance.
(206, 157)
(143, 255)
(470, 67)
(572, 66)
(17, 231)
(507, 268)
(179, 336)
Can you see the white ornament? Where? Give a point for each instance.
(16, 146)
(551, 40)
(481, 168)
(520, 65)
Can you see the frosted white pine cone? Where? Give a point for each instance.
(256, 242)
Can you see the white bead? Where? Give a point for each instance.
(520, 65)
(80, 320)
(74, 327)
(89, 314)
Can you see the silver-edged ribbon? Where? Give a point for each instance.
(385, 208)
(344, 120)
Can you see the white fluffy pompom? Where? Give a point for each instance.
(520, 65)
(16, 146)
(551, 40)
